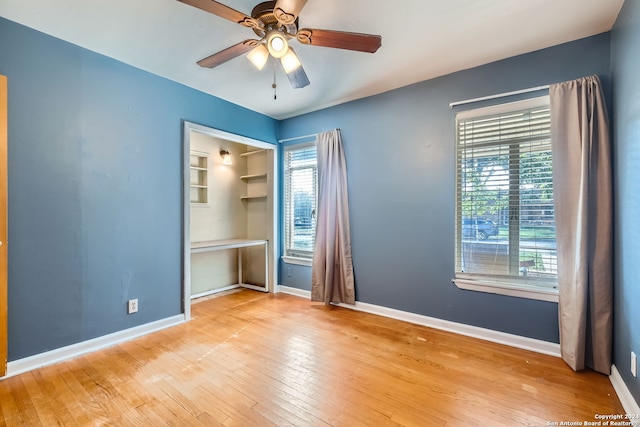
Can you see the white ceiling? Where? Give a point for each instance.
(421, 39)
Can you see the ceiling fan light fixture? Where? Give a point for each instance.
(259, 56)
(290, 61)
(277, 44)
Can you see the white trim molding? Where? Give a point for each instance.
(539, 346)
(297, 260)
(541, 294)
(626, 398)
(26, 364)
(294, 291)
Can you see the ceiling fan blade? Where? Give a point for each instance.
(223, 11)
(340, 39)
(298, 78)
(227, 54)
(287, 11)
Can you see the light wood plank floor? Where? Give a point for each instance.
(250, 359)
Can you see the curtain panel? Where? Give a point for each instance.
(583, 210)
(332, 278)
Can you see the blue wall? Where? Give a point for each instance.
(95, 169)
(626, 113)
(400, 152)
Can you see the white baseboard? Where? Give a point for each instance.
(26, 364)
(294, 291)
(213, 291)
(626, 398)
(525, 343)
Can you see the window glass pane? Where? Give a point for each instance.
(300, 200)
(537, 224)
(304, 205)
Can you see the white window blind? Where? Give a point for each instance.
(505, 227)
(300, 200)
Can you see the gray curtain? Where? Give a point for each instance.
(583, 211)
(332, 271)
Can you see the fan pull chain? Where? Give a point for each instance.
(274, 85)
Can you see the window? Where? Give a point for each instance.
(300, 200)
(505, 227)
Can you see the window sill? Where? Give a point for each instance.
(550, 295)
(297, 261)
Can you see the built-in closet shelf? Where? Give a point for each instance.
(198, 177)
(251, 153)
(255, 176)
(261, 196)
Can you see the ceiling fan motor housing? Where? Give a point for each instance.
(264, 12)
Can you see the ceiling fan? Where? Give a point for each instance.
(276, 22)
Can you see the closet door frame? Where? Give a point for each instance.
(4, 246)
(272, 205)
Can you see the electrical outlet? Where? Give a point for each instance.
(289, 272)
(634, 364)
(133, 306)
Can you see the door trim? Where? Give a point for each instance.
(3, 226)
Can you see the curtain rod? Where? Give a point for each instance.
(297, 137)
(499, 95)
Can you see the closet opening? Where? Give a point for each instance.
(229, 215)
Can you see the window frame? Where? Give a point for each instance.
(496, 284)
(291, 255)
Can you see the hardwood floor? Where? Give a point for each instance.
(252, 359)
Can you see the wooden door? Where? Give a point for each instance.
(3, 225)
